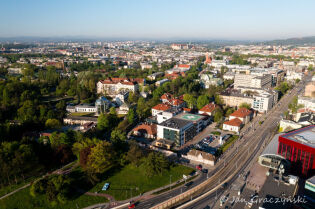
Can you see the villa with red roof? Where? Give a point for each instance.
(159, 108)
(169, 99)
(237, 119)
(208, 109)
(234, 125)
(244, 114)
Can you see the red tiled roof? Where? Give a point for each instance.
(209, 107)
(234, 122)
(183, 66)
(162, 107)
(241, 112)
(126, 81)
(303, 110)
(167, 96)
(186, 109)
(151, 129)
(176, 102)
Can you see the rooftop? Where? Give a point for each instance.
(176, 123)
(162, 107)
(241, 112)
(304, 136)
(189, 117)
(234, 122)
(209, 107)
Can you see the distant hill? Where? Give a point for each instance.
(293, 41)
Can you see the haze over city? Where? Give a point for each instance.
(164, 19)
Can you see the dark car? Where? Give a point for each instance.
(189, 184)
(204, 170)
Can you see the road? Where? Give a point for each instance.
(237, 159)
(272, 119)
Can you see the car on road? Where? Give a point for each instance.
(132, 206)
(189, 184)
(199, 167)
(204, 170)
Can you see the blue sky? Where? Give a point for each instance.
(160, 19)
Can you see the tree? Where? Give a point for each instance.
(190, 100)
(229, 111)
(101, 158)
(131, 116)
(118, 139)
(135, 154)
(27, 113)
(63, 154)
(5, 98)
(38, 187)
(155, 163)
(202, 101)
(53, 124)
(142, 108)
(84, 156)
(218, 115)
(112, 111)
(294, 106)
(245, 105)
(82, 144)
(103, 122)
(132, 98)
(218, 100)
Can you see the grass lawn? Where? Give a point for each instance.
(228, 143)
(23, 199)
(123, 184)
(82, 114)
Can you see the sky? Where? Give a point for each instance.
(159, 19)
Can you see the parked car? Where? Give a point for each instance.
(105, 187)
(199, 167)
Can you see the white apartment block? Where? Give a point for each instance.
(253, 81)
(263, 102)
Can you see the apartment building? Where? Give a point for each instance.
(112, 86)
(253, 81)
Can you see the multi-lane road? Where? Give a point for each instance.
(235, 161)
(260, 135)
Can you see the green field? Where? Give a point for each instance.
(124, 183)
(23, 199)
(228, 143)
(82, 114)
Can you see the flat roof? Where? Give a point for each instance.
(272, 147)
(176, 123)
(189, 117)
(311, 180)
(304, 136)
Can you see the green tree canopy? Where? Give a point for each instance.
(101, 158)
(202, 101)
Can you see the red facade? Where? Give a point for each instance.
(300, 155)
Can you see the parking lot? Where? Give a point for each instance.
(205, 140)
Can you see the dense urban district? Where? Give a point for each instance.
(137, 124)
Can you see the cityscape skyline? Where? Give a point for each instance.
(228, 20)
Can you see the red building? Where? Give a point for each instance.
(299, 148)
